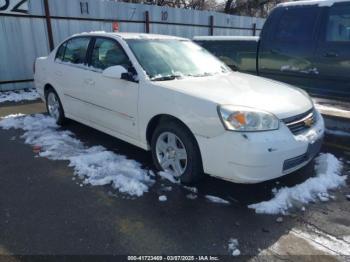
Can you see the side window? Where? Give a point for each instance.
(296, 24)
(60, 52)
(107, 53)
(338, 24)
(224, 50)
(75, 50)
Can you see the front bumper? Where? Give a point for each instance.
(259, 156)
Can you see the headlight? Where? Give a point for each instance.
(239, 118)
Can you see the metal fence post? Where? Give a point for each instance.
(254, 29)
(48, 24)
(147, 22)
(211, 24)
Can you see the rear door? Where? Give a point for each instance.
(70, 70)
(288, 44)
(333, 52)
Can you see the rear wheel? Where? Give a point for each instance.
(175, 150)
(54, 106)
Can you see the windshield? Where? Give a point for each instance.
(170, 59)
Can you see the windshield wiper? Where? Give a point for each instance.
(165, 78)
(201, 75)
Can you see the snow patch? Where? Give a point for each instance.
(216, 199)
(162, 198)
(191, 196)
(95, 165)
(192, 189)
(310, 136)
(328, 176)
(19, 95)
(233, 247)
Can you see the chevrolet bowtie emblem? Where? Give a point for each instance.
(308, 122)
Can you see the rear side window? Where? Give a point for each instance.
(232, 53)
(338, 24)
(107, 53)
(75, 51)
(296, 24)
(60, 52)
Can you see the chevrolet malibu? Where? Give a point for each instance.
(170, 96)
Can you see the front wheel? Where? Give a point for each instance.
(54, 107)
(175, 150)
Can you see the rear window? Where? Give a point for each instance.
(60, 52)
(296, 24)
(338, 24)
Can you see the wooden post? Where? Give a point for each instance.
(254, 29)
(147, 22)
(48, 24)
(211, 24)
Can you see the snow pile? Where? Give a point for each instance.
(217, 200)
(21, 95)
(310, 136)
(95, 165)
(162, 198)
(233, 247)
(328, 176)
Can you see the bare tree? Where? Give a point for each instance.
(259, 8)
(187, 4)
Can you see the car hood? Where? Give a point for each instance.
(241, 89)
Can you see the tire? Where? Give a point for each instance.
(190, 170)
(54, 106)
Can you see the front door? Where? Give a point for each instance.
(333, 53)
(113, 102)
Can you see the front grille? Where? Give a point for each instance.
(300, 123)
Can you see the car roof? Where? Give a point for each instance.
(226, 38)
(312, 2)
(130, 35)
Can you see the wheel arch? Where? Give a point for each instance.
(154, 122)
(47, 87)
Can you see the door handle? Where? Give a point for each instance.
(330, 54)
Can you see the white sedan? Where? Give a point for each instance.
(170, 96)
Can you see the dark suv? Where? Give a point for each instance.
(305, 43)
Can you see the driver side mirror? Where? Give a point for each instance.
(116, 72)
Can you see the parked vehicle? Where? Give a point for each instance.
(172, 97)
(303, 43)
